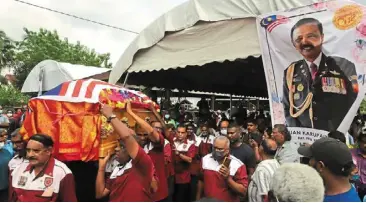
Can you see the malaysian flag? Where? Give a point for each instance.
(271, 22)
(84, 91)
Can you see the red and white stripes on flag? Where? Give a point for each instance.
(280, 20)
(83, 91)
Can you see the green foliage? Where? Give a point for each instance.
(7, 50)
(10, 96)
(363, 107)
(44, 44)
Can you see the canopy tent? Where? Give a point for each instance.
(182, 47)
(48, 74)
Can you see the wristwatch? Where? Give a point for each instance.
(111, 117)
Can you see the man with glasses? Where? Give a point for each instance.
(225, 182)
(169, 166)
(19, 149)
(44, 178)
(153, 142)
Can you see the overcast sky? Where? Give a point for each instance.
(128, 14)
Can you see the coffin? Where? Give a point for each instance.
(70, 114)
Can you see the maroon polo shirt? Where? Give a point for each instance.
(181, 167)
(169, 166)
(156, 153)
(131, 182)
(203, 147)
(215, 185)
(54, 183)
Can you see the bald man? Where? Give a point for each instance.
(226, 183)
(259, 186)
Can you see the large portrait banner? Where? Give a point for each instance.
(315, 61)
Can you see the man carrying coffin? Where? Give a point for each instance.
(131, 180)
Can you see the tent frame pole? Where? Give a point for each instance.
(231, 105)
(124, 83)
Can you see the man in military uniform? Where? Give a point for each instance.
(318, 90)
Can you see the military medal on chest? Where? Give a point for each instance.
(300, 87)
(334, 85)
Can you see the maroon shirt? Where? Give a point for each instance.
(132, 182)
(55, 183)
(169, 166)
(215, 186)
(203, 147)
(156, 153)
(181, 167)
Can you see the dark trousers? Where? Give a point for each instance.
(84, 176)
(4, 195)
(193, 187)
(170, 188)
(181, 193)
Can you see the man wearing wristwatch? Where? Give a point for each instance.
(131, 179)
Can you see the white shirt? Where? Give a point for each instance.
(261, 179)
(16, 161)
(316, 61)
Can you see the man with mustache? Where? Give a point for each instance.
(43, 178)
(318, 90)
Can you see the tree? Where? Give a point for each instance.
(7, 50)
(363, 107)
(44, 44)
(10, 96)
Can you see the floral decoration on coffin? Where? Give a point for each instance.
(117, 99)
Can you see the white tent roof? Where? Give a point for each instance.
(48, 74)
(229, 32)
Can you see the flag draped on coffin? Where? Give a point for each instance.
(70, 114)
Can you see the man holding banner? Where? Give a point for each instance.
(318, 90)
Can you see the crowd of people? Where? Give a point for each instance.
(164, 161)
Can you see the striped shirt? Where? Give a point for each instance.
(261, 179)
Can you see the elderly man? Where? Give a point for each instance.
(259, 184)
(295, 182)
(286, 151)
(333, 161)
(19, 149)
(224, 181)
(44, 178)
